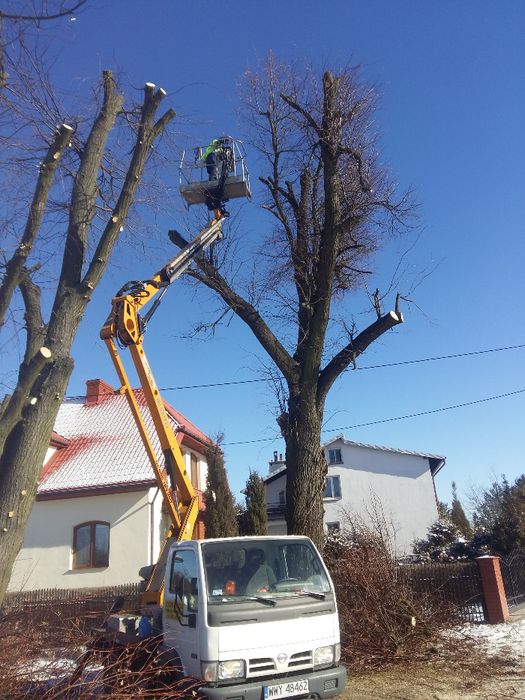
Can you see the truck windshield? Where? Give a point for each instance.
(236, 570)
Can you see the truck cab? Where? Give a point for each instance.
(254, 618)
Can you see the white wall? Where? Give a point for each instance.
(45, 560)
(399, 485)
(273, 489)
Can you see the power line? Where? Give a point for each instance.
(387, 364)
(237, 382)
(396, 418)
(426, 413)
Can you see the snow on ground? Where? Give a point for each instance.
(496, 640)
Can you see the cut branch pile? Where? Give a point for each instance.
(382, 620)
(56, 660)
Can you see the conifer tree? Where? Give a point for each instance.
(219, 516)
(457, 514)
(255, 517)
(443, 510)
(508, 531)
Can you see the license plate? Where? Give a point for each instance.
(285, 690)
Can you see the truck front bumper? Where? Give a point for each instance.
(322, 684)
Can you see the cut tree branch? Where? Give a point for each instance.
(146, 135)
(34, 323)
(351, 352)
(85, 189)
(36, 357)
(48, 168)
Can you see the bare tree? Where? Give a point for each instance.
(96, 204)
(332, 206)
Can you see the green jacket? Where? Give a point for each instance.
(214, 146)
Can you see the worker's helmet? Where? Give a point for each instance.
(216, 142)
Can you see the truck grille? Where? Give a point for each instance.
(302, 659)
(264, 666)
(257, 666)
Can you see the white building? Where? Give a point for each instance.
(98, 516)
(367, 483)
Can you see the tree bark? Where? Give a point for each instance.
(21, 464)
(305, 468)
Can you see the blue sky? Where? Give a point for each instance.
(452, 112)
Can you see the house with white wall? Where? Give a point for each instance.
(367, 483)
(98, 515)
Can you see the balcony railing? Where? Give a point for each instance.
(276, 511)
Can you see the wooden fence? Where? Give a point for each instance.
(90, 605)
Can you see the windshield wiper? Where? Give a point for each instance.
(260, 599)
(313, 594)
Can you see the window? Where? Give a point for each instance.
(282, 499)
(91, 545)
(334, 457)
(332, 487)
(183, 581)
(194, 470)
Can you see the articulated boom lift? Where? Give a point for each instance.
(125, 327)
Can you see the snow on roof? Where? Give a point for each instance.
(104, 447)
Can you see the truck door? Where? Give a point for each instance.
(181, 609)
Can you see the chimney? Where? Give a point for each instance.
(275, 456)
(97, 390)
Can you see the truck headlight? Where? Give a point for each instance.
(212, 671)
(231, 669)
(324, 656)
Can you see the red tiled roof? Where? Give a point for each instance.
(185, 425)
(102, 447)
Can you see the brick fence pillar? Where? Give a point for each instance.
(493, 590)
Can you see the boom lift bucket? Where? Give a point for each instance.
(233, 182)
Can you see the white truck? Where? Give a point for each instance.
(254, 618)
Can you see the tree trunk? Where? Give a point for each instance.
(25, 448)
(305, 469)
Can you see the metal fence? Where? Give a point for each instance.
(513, 574)
(88, 605)
(456, 584)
